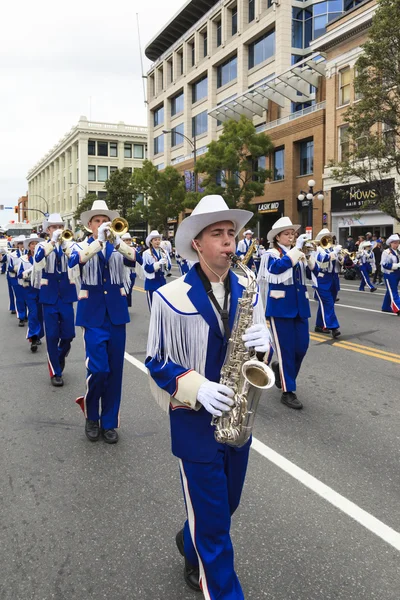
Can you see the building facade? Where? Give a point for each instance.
(22, 212)
(217, 60)
(80, 163)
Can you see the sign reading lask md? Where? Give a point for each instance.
(270, 207)
(360, 196)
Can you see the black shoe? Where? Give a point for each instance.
(38, 342)
(291, 400)
(322, 329)
(92, 430)
(373, 289)
(110, 436)
(190, 573)
(275, 368)
(13, 312)
(21, 323)
(337, 299)
(57, 381)
(62, 364)
(335, 333)
(26, 319)
(33, 345)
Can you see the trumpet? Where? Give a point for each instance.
(164, 268)
(325, 242)
(119, 226)
(66, 236)
(309, 246)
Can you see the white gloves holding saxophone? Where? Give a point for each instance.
(215, 397)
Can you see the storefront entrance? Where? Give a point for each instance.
(268, 213)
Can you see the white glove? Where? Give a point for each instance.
(103, 231)
(26, 274)
(257, 337)
(395, 266)
(117, 241)
(301, 240)
(338, 248)
(56, 235)
(215, 397)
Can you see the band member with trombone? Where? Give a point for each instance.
(191, 321)
(31, 293)
(366, 265)
(156, 265)
(102, 312)
(282, 278)
(325, 285)
(57, 295)
(390, 263)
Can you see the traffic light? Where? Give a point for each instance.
(16, 209)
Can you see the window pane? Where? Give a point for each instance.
(102, 173)
(113, 149)
(279, 164)
(320, 25)
(91, 148)
(91, 173)
(199, 123)
(199, 89)
(138, 151)
(127, 150)
(158, 116)
(102, 149)
(227, 72)
(159, 144)
(297, 34)
(251, 10)
(234, 20)
(320, 8)
(306, 157)
(113, 169)
(335, 5)
(176, 135)
(219, 33)
(177, 104)
(262, 49)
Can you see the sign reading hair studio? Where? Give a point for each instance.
(354, 197)
(271, 207)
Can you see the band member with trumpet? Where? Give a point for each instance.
(156, 265)
(13, 265)
(57, 295)
(191, 321)
(31, 293)
(102, 312)
(366, 265)
(282, 277)
(244, 245)
(325, 285)
(390, 263)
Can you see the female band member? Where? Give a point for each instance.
(190, 325)
(156, 263)
(31, 294)
(391, 272)
(326, 285)
(366, 265)
(282, 278)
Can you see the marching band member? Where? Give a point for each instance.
(182, 263)
(131, 269)
(259, 251)
(190, 324)
(13, 264)
(57, 295)
(326, 287)
(391, 272)
(155, 264)
(10, 280)
(366, 265)
(31, 294)
(282, 278)
(102, 313)
(167, 246)
(244, 245)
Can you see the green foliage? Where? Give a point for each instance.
(121, 192)
(84, 204)
(233, 155)
(375, 156)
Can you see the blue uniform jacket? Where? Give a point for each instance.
(327, 277)
(55, 285)
(149, 260)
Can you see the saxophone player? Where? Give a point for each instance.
(244, 245)
(156, 264)
(191, 321)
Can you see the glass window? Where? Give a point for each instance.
(102, 173)
(113, 169)
(138, 151)
(279, 164)
(128, 170)
(320, 9)
(181, 62)
(306, 157)
(344, 142)
(113, 149)
(127, 150)
(262, 49)
(252, 10)
(91, 173)
(320, 25)
(102, 195)
(159, 144)
(227, 71)
(160, 167)
(102, 149)
(171, 71)
(177, 104)
(199, 89)
(297, 34)
(192, 54)
(176, 135)
(158, 115)
(220, 178)
(205, 44)
(344, 86)
(199, 124)
(335, 6)
(91, 148)
(219, 32)
(234, 20)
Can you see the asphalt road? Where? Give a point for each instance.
(82, 521)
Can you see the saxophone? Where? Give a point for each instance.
(249, 252)
(242, 372)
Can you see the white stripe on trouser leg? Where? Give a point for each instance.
(322, 309)
(278, 350)
(393, 303)
(192, 527)
(365, 279)
(51, 366)
(87, 391)
(148, 300)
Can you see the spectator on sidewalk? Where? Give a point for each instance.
(377, 250)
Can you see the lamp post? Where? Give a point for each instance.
(46, 214)
(310, 195)
(193, 144)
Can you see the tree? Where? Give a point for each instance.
(230, 167)
(121, 192)
(374, 121)
(163, 193)
(84, 204)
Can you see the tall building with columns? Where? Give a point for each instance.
(81, 162)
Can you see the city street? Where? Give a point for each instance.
(320, 513)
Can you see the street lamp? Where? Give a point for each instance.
(193, 144)
(310, 195)
(46, 214)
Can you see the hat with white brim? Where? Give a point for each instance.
(323, 233)
(53, 219)
(153, 234)
(19, 239)
(248, 231)
(99, 207)
(281, 225)
(32, 238)
(211, 209)
(393, 238)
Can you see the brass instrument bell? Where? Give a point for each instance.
(66, 236)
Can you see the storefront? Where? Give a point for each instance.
(350, 215)
(268, 213)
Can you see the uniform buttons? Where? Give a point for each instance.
(104, 279)
(105, 292)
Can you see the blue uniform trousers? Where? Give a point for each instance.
(35, 313)
(391, 301)
(326, 316)
(291, 338)
(336, 285)
(105, 349)
(20, 300)
(60, 331)
(132, 278)
(212, 494)
(365, 271)
(11, 295)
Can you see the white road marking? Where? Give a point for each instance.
(374, 525)
(354, 291)
(340, 305)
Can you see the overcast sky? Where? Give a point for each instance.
(54, 57)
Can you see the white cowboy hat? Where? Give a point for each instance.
(126, 236)
(32, 238)
(19, 239)
(153, 234)
(53, 219)
(248, 231)
(99, 207)
(211, 209)
(365, 244)
(322, 233)
(393, 238)
(281, 225)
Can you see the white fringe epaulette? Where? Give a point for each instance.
(140, 271)
(91, 272)
(286, 277)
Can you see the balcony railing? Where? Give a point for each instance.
(291, 117)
